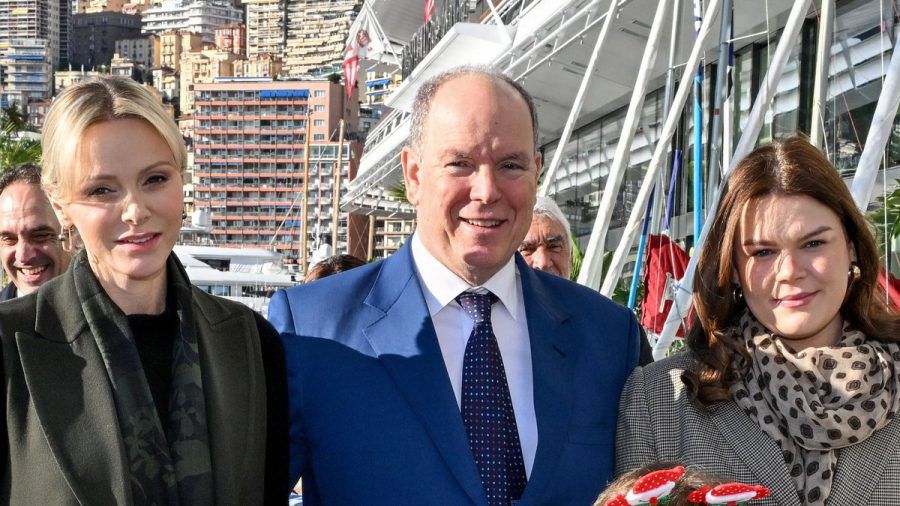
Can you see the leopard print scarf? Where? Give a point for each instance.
(817, 400)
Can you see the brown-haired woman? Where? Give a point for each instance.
(790, 378)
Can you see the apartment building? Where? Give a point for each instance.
(168, 46)
(389, 234)
(37, 111)
(232, 38)
(250, 162)
(95, 6)
(317, 35)
(121, 66)
(94, 36)
(264, 65)
(266, 27)
(379, 85)
(139, 50)
(166, 83)
(198, 16)
(203, 66)
(27, 66)
(64, 78)
(48, 20)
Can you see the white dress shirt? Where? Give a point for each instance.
(440, 286)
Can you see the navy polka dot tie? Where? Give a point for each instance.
(487, 408)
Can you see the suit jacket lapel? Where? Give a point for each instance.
(404, 339)
(73, 400)
(229, 384)
(866, 459)
(758, 451)
(552, 350)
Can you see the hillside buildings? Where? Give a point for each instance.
(202, 17)
(310, 35)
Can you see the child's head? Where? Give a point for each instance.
(671, 484)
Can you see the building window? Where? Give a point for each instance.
(318, 122)
(320, 108)
(320, 93)
(319, 137)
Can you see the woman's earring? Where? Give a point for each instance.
(853, 273)
(65, 239)
(737, 295)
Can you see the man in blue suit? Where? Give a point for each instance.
(451, 372)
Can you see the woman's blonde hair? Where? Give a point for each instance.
(81, 105)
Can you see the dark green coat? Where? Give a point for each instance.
(63, 444)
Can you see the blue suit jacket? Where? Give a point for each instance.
(373, 416)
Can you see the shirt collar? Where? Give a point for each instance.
(441, 285)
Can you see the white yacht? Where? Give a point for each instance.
(247, 275)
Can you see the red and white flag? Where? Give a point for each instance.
(351, 68)
(429, 9)
(357, 50)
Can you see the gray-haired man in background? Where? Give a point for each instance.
(548, 247)
(548, 244)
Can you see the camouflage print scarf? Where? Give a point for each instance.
(162, 472)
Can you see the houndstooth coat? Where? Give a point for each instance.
(658, 423)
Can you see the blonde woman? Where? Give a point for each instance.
(125, 384)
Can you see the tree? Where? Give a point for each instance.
(15, 149)
(14, 118)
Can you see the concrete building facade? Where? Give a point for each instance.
(31, 20)
(264, 65)
(250, 156)
(28, 72)
(266, 27)
(62, 79)
(168, 46)
(317, 35)
(95, 6)
(139, 50)
(232, 38)
(199, 16)
(203, 66)
(94, 36)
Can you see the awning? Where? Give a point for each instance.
(378, 82)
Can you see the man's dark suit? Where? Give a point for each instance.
(374, 419)
(8, 292)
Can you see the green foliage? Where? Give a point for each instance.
(886, 221)
(399, 193)
(13, 119)
(16, 150)
(676, 346)
(620, 292)
(577, 259)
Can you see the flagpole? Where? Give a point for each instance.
(698, 131)
(721, 74)
(494, 12)
(337, 173)
(381, 35)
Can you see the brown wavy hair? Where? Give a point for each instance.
(788, 166)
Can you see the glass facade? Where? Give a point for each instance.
(860, 52)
